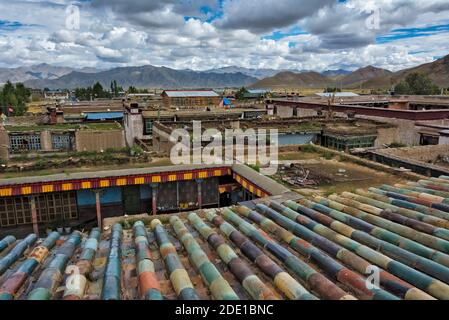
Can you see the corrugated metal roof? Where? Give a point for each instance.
(189, 94)
(104, 115)
(337, 94)
(258, 91)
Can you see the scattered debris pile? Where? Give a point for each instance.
(299, 176)
(443, 159)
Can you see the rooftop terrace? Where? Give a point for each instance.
(63, 127)
(271, 248)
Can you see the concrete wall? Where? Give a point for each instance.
(306, 112)
(4, 144)
(386, 136)
(88, 140)
(284, 111)
(46, 144)
(444, 140)
(406, 131)
(161, 139)
(133, 128)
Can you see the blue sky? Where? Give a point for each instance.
(205, 34)
(411, 33)
(10, 25)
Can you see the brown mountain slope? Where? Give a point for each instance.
(294, 80)
(437, 71)
(317, 80)
(362, 75)
(369, 77)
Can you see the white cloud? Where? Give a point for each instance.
(178, 34)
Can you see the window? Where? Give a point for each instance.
(7, 212)
(62, 141)
(49, 208)
(23, 210)
(41, 208)
(54, 207)
(57, 207)
(26, 142)
(148, 126)
(69, 205)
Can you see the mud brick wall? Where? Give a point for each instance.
(99, 140)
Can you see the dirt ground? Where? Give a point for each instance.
(332, 175)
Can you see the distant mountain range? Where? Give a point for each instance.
(437, 71)
(256, 73)
(47, 76)
(291, 79)
(368, 77)
(335, 73)
(265, 73)
(318, 80)
(38, 72)
(146, 77)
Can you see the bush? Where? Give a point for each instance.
(308, 148)
(136, 151)
(417, 84)
(328, 155)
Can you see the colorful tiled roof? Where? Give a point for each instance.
(384, 243)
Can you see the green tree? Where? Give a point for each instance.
(115, 88)
(83, 94)
(98, 90)
(132, 89)
(95, 92)
(332, 90)
(15, 97)
(417, 84)
(241, 93)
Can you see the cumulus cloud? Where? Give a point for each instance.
(265, 15)
(205, 34)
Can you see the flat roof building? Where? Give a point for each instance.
(184, 99)
(336, 94)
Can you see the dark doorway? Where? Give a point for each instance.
(429, 140)
(131, 200)
(225, 199)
